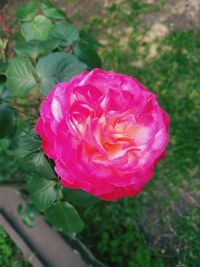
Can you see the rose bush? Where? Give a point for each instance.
(105, 132)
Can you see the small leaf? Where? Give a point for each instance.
(87, 54)
(35, 48)
(43, 166)
(57, 67)
(27, 11)
(38, 29)
(27, 214)
(51, 11)
(65, 32)
(79, 197)
(64, 217)
(7, 120)
(42, 192)
(20, 77)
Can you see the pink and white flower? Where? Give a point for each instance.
(105, 131)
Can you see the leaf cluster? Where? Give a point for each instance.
(49, 50)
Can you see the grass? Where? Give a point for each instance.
(10, 255)
(161, 226)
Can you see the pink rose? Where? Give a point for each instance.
(105, 131)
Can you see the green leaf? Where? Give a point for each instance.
(64, 217)
(42, 192)
(88, 54)
(27, 144)
(43, 166)
(20, 77)
(79, 197)
(65, 32)
(27, 11)
(27, 214)
(57, 67)
(38, 29)
(51, 11)
(7, 120)
(35, 48)
(85, 36)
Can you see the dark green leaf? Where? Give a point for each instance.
(37, 29)
(85, 36)
(79, 197)
(87, 54)
(51, 11)
(42, 192)
(43, 166)
(64, 217)
(57, 67)
(65, 32)
(7, 120)
(35, 48)
(27, 11)
(20, 77)
(27, 214)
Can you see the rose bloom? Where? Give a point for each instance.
(105, 132)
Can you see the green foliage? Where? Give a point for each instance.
(79, 197)
(34, 49)
(43, 165)
(46, 29)
(65, 32)
(65, 217)
(57, 67)
(38, 29)
(10, 255)
(44, 188)
(88, 54)
(7, 161)
(46, 52)
(42, 192)
(27, 144)
(7, 120)
(51, 11)
(20, 77)
(27, 214)
(28, 11)
(119, 241)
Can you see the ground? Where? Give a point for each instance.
(159, 43)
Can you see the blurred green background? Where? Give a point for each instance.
(158, 42)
